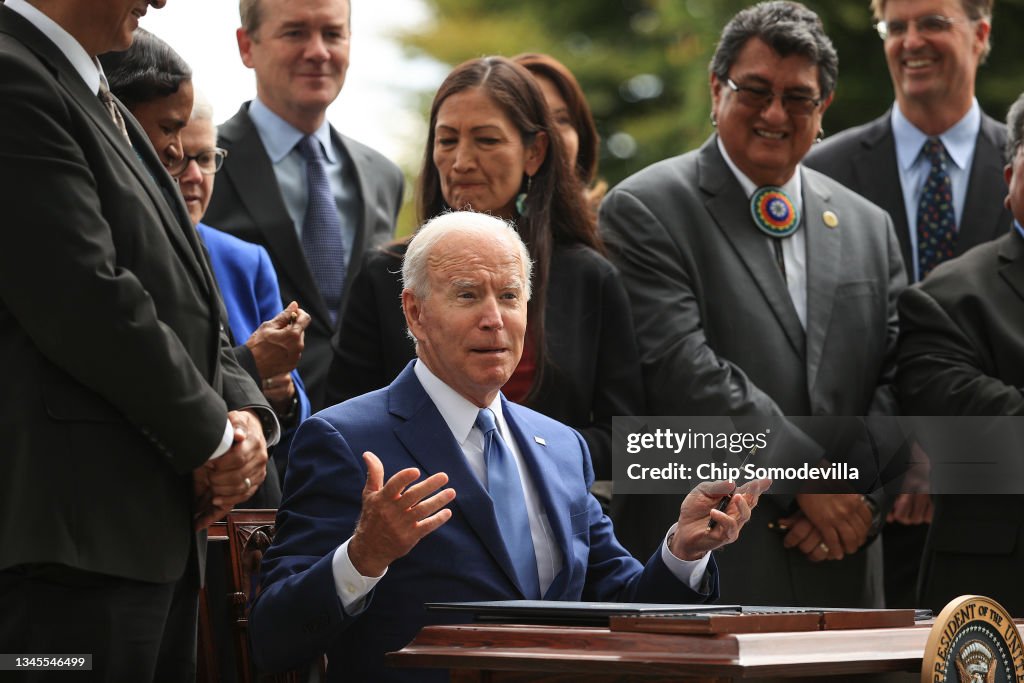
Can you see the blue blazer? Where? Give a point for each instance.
(248, 285)
(298, 615)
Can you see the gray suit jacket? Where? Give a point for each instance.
(248, 204)
(719, 335)
(864, 159)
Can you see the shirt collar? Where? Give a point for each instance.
(792, 187)
(280, 137)
(458, 413)
(87, 67)
(958, 140)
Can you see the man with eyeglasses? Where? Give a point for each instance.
(934, 136)
(961, 344)
(760, 287)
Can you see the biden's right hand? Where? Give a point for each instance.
(396, 515)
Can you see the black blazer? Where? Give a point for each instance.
(864, 159)
(962, 353)
(117, 374)
(594, 369)
(247, 203)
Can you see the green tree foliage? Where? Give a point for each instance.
(643, 63)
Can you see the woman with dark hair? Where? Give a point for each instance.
(573, 120)
(491, 147)
(155, 83)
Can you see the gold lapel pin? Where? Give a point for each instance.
(831, 219)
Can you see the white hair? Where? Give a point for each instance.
(202, 110)
(415, 265)
(415, 274)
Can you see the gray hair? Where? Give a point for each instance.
(1015, 127)
(788, 28)
(202, 110)
(415, 265)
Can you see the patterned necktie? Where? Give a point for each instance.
(936, 220)
(112, 111)
(506, 489)
(321, 228)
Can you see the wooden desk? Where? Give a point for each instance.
(507, 653)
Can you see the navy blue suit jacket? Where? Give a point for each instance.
(248, 284)
(299, 615)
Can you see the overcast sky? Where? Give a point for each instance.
(374, 106)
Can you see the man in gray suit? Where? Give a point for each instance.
(933, 49)
(796, 319)
(315, 199)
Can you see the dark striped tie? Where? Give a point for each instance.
(112, 111)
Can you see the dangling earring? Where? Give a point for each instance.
(714, 121)
(821, 135)
(521, 207)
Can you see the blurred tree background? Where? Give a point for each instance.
(643, 63)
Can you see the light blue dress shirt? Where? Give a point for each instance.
(913, 167)
(279, 139)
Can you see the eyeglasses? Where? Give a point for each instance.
(762, 98)
(209, 162)
(928, 25)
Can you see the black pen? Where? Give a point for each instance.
(724, 503)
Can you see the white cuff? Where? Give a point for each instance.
(690, 572)
(225, 441)
(351, 586)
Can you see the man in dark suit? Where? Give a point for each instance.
(933, 49)
(962, 353)
(127, 422)
(523, 524)
(300, 55)
(733, 320)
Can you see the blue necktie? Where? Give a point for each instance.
(936, 219)
(506, 489)
(321, 229)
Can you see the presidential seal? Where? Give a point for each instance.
(974, 640)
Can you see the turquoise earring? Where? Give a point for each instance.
(521, 207)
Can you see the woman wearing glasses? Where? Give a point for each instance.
(155, 83)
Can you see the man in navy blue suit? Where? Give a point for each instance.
(443, 427)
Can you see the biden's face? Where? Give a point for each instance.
(470, 325)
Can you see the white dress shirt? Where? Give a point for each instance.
(460, 416)
(794, 247)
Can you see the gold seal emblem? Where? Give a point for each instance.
(974, 640)
(831, 219)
